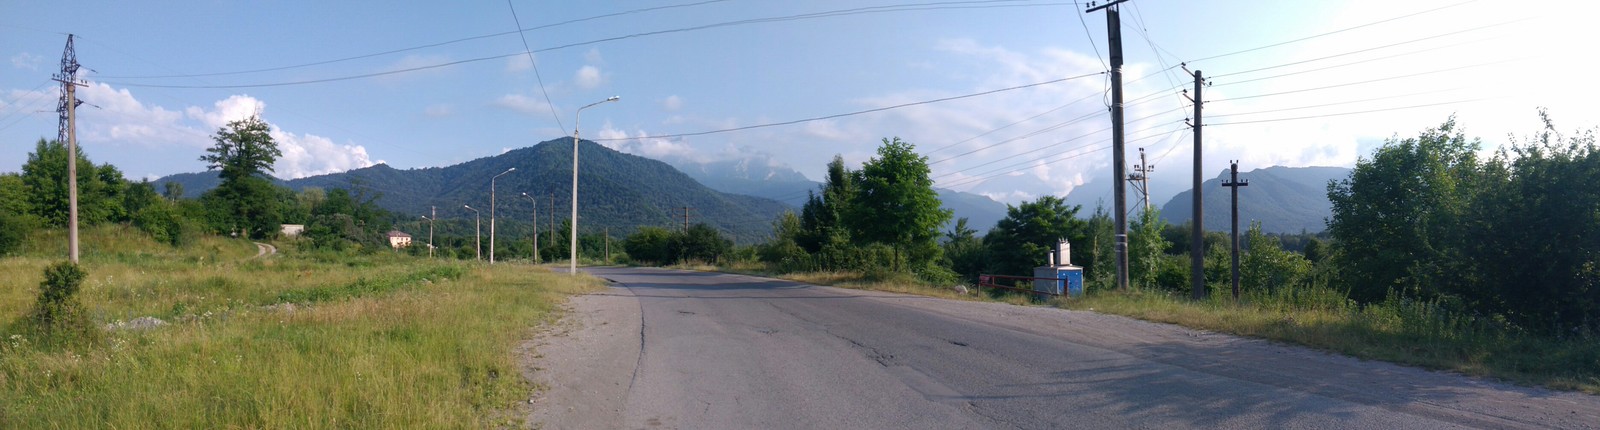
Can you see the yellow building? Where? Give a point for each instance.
(398, 239)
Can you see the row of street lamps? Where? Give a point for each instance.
(573, 265)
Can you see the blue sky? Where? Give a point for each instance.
(692, 66)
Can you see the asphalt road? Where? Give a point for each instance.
(671, 349)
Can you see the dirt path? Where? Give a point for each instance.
(264, 250)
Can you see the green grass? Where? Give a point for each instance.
(371, 341)
(1400, 331)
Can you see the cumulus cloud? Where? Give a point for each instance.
(518, 64)
(672, 103)
(27, 61)
(522, 103)
(439, 110)
(639, 143)
(588, 77)
(310, 155)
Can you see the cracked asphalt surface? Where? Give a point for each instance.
(674, 349)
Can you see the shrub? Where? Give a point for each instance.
(57, 318)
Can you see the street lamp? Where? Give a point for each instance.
(430, 235)
(478, 237)
(491, 212)
(573, 236)
(535, 227)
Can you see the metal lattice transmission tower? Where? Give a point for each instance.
(68, 76)
(1140, 179)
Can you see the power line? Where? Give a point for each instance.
(1358, 51)
(1037, 163)
(1090, 35)
(841, 115)
(1367, 81)
(1054, 127)
(814, 15)
(1055, 144)
(1003, 127)
(535, 64)
(1331, 32)
(1319, 69)
(1346, 113)
(1333, 104)
(413, 48)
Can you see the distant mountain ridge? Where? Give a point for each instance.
(1284, 199)
(615, 190)
(760, 177)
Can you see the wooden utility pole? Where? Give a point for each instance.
(1118, 158)
(1235, 183)
(608, 245)
(1197, 235)
(686, 210)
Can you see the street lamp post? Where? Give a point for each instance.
(477, 237)
(430, 235)
(535, 227)
(491, 212)
(573, 236)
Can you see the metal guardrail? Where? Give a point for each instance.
(990, 281)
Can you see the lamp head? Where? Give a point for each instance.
(614, 98)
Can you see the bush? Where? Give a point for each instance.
(57, 317)
(14, 229)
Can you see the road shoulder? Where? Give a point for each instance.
(583, 364)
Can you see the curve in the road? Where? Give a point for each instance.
(673, 349)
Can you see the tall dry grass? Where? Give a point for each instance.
(293, 341)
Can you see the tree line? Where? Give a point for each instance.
(1511, 239)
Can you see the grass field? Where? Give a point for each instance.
(297, 340)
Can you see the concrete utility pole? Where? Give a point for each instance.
(67, 132)
(535, 226)
(1197, 235)
(573, 265)
(1140, 178)
(1235, 183)
(491, 212)
(435, 212)
(1118, 158)
(477, 237)
(608, 245)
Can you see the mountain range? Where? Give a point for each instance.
(1283, 199)
(615, 190)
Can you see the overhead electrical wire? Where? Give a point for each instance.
(1411, 75)
(1038, 162)
(524, 37)
(860, 112)
(1330, 104)
(414, 48)
(1358, 51)
(1330, 33)
(983, 4)
(1343, 114)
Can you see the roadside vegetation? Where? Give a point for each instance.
(171, 319)
(304, 339)
(1435, 256)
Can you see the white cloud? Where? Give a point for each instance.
(518, 64)
(524, 104)
(439, 110)
(593, 56)
(233, 108)
(121, 119)
(26, 61)
(672, 103)
(638, 143)
(310, 155)
(588, 77)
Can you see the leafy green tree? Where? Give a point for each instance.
(1023, 239)
(45, 177)
(1396, 217)
(1147, 249)
(896, 205)
(701, 242)
(965, 253)
(650, 245)
(821, 218)
(783, 247)
(1265, 266)
(1535, 233)
(174, 190)
(246, 200)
